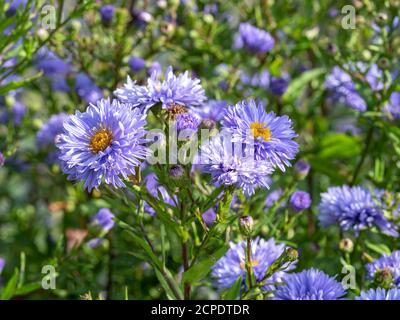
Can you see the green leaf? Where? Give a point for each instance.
(233, 292)
(17, 84)
(10, 287)
(201, 269)
(378, 247)
(28, 288)
(297, 85)
(338, 145)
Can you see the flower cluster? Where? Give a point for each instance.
(353, 209)
(387, 266)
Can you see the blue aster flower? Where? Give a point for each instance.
(103, 143)
(95, 242)
(14, 6)
(273, 197)
(2, 264)
(310, 284)
(258, 80)
(51, 64)
(300, 200)
(104, 219)
(157, 191)
(389, 263)
(278, 85)
(353, 208)
(379, 294)
(136, 64)
(254, 39)
(343, 89)
(393, 106)
(228, 165)
(209, 216)
(155, 67)
(211, 110)
(173, 90)
(263, 254)
(2, 159)
(187, 121)
(87, 89)
(17, 113)
(107, 13)
(302, 168)
(270, 135)
(49, 133)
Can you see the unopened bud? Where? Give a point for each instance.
(292, 254)
(384, 278)
(176, 172)
(383, 63)
(301, 168)
(346, 245)
(381, 19)
(246, 224)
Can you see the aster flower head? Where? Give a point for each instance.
(211, 110)
(273, 197)
(209, 216)
(379, 294)
(95, 242)
(107, 13)
(174, 90)
(393, 106)
(2, 264)
(104, 219)
(310, 284)
(103, 143)
(51, 64)
(353, 208)
(2, 159)
(387, 263)
(230, 165)
(87, 89)
(254, 39)
(278, 85)
(157, 191)
(300, 200)
(50, 132)
(136, 64)
(270, 135)
(187, 121)
(263, 254)
(301, 168)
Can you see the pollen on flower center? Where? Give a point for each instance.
(259, 130)
(100, 140)
(254, 263)
(174, 110)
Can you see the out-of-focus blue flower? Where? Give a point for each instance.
(273, 197)
(87, 89)
(302, 168)
(104, 219)
(310, 284)
(173, 90)
(155, 67)
(51, 64)
(300, 200)
(343, 89)
(14, 6)
(2, 264)
(393, 106)
(94, 243)
(142, 18)
(379, 294)
(18, 113)
(209, 216)
(2, 159)
(187, 121)
(278, 85)
(270, 135)
(233, 264)
(389, 263)
(136, 64)
(49, 133)
(353, 208)
(254, 39)
(230, 166)
(106, 142)
(107, 13)
(212, 110)
(258, 80)
(157, 191)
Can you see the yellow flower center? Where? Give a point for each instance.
(254, 263)
(259, 130)
(100, 141)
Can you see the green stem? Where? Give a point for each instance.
(363, 155)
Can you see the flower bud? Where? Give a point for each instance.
(176, 172)
(383, 63)
(331, 48)
(278, 85)
(346, 245)
(208, 124)
(381, 19)
(246, 224)
(301, 168)
(107, 14)
(384, 278)
(291, 254)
